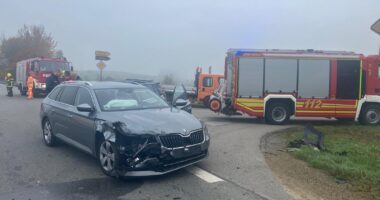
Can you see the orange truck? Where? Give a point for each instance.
(205, 84)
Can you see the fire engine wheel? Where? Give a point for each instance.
(370, 115)
(107, 157)
(215, 105)
(48, 135)
(206, 102)
(277, 113)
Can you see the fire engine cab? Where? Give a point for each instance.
(278, 84)
(41, 68)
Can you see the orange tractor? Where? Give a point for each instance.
(205, 84)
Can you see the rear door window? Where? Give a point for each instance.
(54, 94)
(83, 97)
(68, 95)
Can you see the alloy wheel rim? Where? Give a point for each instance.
(107, 156)
(47, 133)
(373, 116)
(278, 114)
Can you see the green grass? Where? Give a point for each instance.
(353, 153)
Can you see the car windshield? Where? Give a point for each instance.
(120, 99)
(52, 66)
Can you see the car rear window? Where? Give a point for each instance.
(68, 95)
(54, 94)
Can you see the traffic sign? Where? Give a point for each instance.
(102, 55)
(376, 26)
(101, 65)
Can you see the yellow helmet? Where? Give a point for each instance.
(9, 74)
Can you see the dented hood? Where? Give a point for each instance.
(154, 121)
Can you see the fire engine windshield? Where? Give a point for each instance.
(52, 66)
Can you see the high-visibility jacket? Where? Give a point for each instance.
(30, 82)
(9, 80)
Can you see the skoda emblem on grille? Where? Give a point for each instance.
(185, 132)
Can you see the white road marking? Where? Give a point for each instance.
(204, 175)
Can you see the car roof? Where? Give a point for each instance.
(103, 84)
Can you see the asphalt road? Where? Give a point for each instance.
(235, 168)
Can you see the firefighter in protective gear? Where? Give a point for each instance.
(30, 83)
(9, 79)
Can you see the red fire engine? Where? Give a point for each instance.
(41, 68)
(278, 84)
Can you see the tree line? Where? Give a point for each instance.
(29, 42)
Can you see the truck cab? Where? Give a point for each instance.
(206, 84)
(372, 74)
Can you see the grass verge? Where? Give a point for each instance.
(353, 154)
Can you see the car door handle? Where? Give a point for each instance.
(70, 115)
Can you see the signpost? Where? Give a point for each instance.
(102, 56)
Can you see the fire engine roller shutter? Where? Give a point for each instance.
(348, 79)
(251, 74)
(314, 76)
(229, 75)
(280, 75)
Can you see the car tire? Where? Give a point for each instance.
(277, 113)
(206, 102)
(370, 115)
(47, 134)
(107, 157)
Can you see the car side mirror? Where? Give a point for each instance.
(180, 102)
(85, 108)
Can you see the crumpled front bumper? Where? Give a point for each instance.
(145, 155)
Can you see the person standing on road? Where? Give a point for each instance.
(52, 81)
(67, 76)
(9, 79)
(30, 84)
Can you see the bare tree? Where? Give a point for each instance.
(59, 54)
(30, 41)
(168, 79)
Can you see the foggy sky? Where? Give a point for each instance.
(162, 36)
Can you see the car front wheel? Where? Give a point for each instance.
(107, 156)
(48, 135)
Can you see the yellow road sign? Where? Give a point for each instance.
(101, 65)
(102, 53)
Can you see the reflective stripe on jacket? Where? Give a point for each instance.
(9, 81)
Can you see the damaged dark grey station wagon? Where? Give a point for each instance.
(128, 128)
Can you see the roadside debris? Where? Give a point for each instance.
(312, 137)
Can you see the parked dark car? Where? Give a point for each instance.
(167, 95)
(150, 84)
(127, 127)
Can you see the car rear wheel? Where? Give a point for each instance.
(107, 156)
(370, 115)
(277, 113)
(48, 135)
